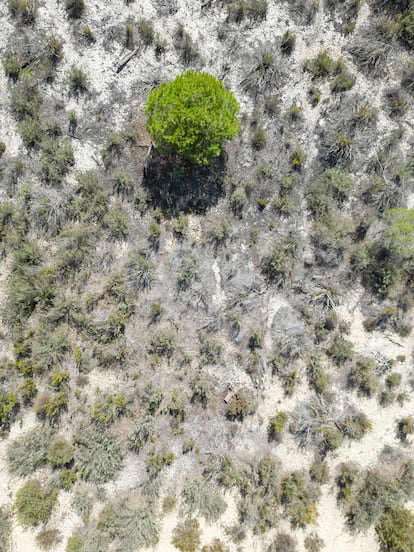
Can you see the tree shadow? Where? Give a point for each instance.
(176, 185)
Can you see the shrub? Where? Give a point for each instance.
(259, 138)
(75, 8)
(9, 405)
(156, 461)
(362, 376)
(215, 546)
(77, 80)
(29, 452)
(146, 31)
(241, 405)
(98, 456)
(60, 452)
(116, 220)
(11, 66)
(47, 539)
(162, 343)
(399, 233)
(192, 116)
(34, 503)
(278, 264)
(283, 543)
(298, 501)
(406, 32)
(344, 80)
(377, 494)
(323, 65)
(144, 427)
(405, 427)
(276, 426)
(200, 500)
(186, 535)
(49, 407)
(56, 159)
(340, 350)
(313, 543)
(26, 10)
(395, 530)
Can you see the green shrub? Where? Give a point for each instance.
(186, 535)
(34, 503)
(395, 530)
(399, 233)
(340, 350)
(66, 478)
(49, 407)
(162, 343)
(276, 426)
(29, 452)
(9, 404)
(156, 461)
(376, 494)
(323, 65)
(56, 160)
(60, 452)
(278, 264)
(98, 456)
(298, 501)
(283, 543)
(344, 80)
(74, 544)
(28, 390)
(363, 377)
(116, 220)
(11, 66)
(192, 116)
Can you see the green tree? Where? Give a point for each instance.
(192, 116)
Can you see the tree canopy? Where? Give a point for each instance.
(192, 116)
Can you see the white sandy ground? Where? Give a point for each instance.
(99, 63)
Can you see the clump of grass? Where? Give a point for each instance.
(29, 452)
(25, 10)
(265, 74)
(98, 456)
